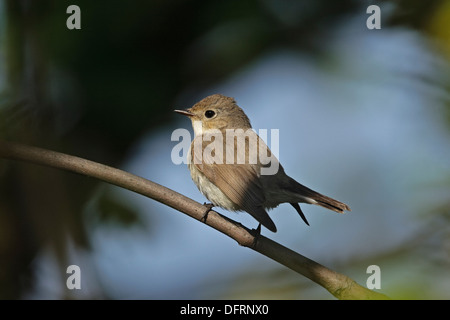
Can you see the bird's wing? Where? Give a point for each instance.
(239, 182)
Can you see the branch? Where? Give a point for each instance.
(339, 285)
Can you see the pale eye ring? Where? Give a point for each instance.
(209, 114)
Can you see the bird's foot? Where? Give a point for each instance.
(256, 233)
(209, 207)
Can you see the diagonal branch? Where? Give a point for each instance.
(339, 285)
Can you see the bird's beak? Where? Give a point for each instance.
(184, 112)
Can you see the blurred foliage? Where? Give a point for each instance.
(114, 211)
(93, 92)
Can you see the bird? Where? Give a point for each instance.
(234, 168)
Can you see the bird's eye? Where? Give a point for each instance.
(209, 113)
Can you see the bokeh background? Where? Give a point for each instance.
(364, 117)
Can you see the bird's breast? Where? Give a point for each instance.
(210, 190)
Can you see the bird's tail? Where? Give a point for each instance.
(310, 196)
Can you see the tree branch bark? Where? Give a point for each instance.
(339, 285)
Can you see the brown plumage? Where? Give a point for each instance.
(232, 173)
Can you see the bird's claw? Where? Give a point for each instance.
(256, 233)
(208, 206)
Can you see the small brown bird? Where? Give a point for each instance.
(233, 167)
